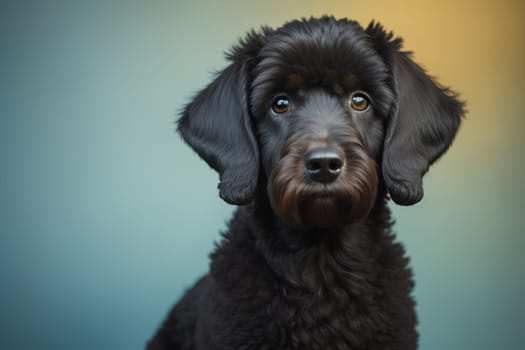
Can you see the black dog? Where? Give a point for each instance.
(312, 128)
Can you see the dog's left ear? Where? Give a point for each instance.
(217, 124)
(421, 124)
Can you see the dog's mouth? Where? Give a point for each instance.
(304, 205)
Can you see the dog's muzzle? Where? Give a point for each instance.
(325, 186)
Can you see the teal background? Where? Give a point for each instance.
(106, 216)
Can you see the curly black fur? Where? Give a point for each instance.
(309, 263)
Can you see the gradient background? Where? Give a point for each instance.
(106, 216)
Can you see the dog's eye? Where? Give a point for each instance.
(359, 102)
(281, 104)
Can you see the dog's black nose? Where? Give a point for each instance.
(323, 165)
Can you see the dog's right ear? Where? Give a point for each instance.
(217, 124)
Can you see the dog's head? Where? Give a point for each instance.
(325, 112)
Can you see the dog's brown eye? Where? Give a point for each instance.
(281, 104)
(359, 102)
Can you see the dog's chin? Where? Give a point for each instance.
(315, 208)
(325, 212)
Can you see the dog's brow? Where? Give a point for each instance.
(294, 80)
(338, 89)
(349, 80)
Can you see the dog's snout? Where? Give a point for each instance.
(323, 165)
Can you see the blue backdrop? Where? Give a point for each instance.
(106, 216)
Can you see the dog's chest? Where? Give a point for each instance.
(329, 313)
(351, 295)
(330, 317)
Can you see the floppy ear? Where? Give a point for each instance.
(421, 125)
(217, 125)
